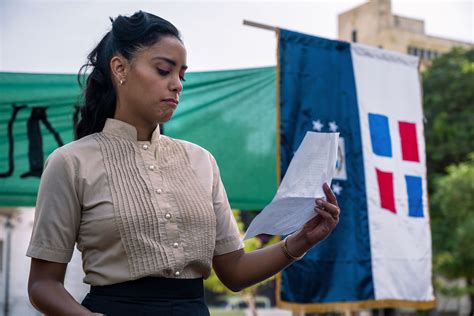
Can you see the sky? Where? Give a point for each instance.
(41, 36)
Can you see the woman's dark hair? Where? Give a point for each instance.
(128, 34)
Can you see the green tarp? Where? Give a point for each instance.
(230, 113)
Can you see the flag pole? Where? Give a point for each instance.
(260, 25)
(278, 146)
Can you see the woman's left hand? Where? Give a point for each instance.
(317, 228)
(238, 269)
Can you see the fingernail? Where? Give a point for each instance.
(320, 202)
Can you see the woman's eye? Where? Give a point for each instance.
(182, 79)
(163, 72)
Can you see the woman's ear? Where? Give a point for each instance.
(119, 66)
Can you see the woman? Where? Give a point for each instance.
(149, 213)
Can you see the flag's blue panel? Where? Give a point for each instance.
(380, 135)
(317, 92)
(415, 196)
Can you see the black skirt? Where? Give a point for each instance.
(149, 296)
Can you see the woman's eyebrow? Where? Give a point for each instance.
(170, 61)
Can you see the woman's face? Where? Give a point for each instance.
(153, 83)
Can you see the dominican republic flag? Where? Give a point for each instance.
(380, 253)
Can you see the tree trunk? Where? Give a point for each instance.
(470, 284)
(251, 302)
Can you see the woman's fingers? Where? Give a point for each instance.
(328, 216)
(329, 194)
(330, 208)
(315, 221)
(319, 227)
(325, 214)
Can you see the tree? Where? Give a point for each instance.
(249, 294)
(448, 87)
(453, 227)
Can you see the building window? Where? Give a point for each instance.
(354, 36)
(397, 20)
(429, 54)
(423, 53)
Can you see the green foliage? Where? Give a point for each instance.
(454, 291)
(453, 225)
(448, 87)
(448, 102)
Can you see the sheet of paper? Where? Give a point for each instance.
(313, 164)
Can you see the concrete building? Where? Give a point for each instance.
(373, 23)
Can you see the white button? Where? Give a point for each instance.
(145, 146)
(158, 191)
(175, 245)
(151, 167)
(177, 273)
(168, 216)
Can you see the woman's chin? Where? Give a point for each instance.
(165, 118)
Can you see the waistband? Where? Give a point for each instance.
(153, 287)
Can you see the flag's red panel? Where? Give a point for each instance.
(387, 199)
(409, 141)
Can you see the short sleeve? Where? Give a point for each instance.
(228, 237)
(57, 213)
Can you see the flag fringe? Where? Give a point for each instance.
(353, 306)
(347, 306)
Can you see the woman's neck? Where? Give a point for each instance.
(144, 129)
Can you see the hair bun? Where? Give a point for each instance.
(129, 29)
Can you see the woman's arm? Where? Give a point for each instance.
(46, 290)
(238, 269)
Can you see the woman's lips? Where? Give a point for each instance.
(171, 102)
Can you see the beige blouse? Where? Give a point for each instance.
(134, 208)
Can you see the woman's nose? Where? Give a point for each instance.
(176, 85)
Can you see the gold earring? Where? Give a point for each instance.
(121, 82)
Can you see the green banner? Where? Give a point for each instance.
(230, 113)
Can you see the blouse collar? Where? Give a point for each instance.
(124, 130)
